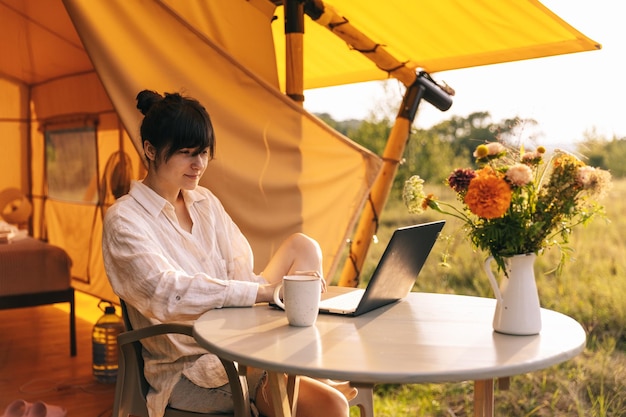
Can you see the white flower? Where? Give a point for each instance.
(596, 181)
(519, 175)
(413, 194)
(495, 148)
(491, 149)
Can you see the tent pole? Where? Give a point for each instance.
(419, 85)
(368, 223)
(328, 17)
(423, 88)
(294, 32)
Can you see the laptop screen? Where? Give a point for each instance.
(400, 264)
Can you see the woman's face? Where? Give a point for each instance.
(183, 169)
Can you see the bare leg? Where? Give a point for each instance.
(297, 253)
(315, 399)
(301, 253)
(342, 386)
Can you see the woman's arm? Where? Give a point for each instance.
(141, 268)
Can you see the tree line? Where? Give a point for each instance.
(435, 152)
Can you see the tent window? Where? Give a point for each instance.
(71, 164)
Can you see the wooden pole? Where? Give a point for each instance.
(394, 149)
(294, 32)
(368, 222)
(417, 88)
(328, 17)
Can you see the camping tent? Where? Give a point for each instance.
(69, 72)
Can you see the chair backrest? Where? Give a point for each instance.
(132, 387)
(127, 323)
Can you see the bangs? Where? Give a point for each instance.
(191, 129)
(192, 134)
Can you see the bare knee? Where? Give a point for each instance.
(305, 251)
(316, 399)
(303, 243)
(298, 252)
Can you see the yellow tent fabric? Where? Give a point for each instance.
(435, 35)
(278, 169)
(39, 42)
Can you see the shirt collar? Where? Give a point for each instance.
(153, 203)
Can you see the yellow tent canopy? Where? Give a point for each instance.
(69, 72)
(435, 35)
(39, 42)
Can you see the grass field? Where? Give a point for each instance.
(591, 289)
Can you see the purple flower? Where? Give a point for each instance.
(460, 178)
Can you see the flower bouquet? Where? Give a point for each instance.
(515, 202)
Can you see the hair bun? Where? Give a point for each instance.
(146, 99)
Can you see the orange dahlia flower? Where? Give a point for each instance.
(488, 195)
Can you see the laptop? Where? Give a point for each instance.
(394, 275)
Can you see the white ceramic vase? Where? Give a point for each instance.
(517, 309)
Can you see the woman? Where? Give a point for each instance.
(171, 252)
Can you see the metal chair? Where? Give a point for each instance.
(132, 387)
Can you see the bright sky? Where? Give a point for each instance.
(567, 95)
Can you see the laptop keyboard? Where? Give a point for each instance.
(347, 301)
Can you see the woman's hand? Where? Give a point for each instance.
(265, 293)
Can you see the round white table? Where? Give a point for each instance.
(425, 338)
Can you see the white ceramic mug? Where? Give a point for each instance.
(301, 295)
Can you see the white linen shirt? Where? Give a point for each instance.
(165, 274)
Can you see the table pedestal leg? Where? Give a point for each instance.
(364, 399)
(278, 391)
(293, 387)
(483, 398)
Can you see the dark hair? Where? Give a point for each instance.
(175, 122)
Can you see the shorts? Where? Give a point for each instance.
(188, 396)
